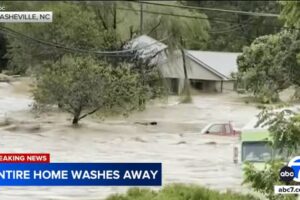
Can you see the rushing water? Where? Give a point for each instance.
(187, 156)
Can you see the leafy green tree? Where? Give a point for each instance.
(3, 50)
(73, 27)
(243, 28)
(124, 17)
(83, 86)
(272, 63)
(263, 181)
(266, 66)
(179, 30)
(290, 13)
(284, 128)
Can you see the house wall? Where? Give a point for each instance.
(176, 85)
(228, 86)
(195, 71)
(173, 68)
(173, 71)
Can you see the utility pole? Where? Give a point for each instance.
(141, 18)
(186, 88)
(183, 59)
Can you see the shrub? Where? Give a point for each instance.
(179, 192)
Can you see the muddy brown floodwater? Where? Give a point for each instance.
(187, 156)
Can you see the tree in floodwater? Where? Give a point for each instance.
(284, 128)
(83, 86)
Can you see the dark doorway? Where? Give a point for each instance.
(197, 84)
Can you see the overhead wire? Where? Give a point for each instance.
(122, 52)
(77, 50)
(198, 17)
(212, 9)
(233, 28)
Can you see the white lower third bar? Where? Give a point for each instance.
(287, 189)
(26, 16)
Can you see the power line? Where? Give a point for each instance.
(198, 17)
(186, 16)
(230, 29)
(215, 9)
(169, 14)
(77, 50)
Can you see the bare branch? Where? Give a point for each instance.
(102, 19)
(155, 27)
(93, 111)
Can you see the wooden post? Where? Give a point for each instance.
(235, 155)
(221, 85)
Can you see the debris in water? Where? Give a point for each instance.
(138, 139)
(211, 143)
(181, 142)
(147, 123)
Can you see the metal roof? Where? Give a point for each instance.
(147, 47)
(222, 64)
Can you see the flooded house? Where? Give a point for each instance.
(207, 71)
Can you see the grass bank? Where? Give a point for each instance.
(179, 192)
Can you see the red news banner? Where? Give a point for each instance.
(24, 157)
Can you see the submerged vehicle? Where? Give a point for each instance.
(224, 129)
(255, 147)
(256, 141)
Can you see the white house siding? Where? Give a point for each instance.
(174, 69)
(228, 86)
(195, 71)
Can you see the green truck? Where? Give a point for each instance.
(255, 147)
(255, 141)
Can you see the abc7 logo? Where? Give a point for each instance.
(286, 174)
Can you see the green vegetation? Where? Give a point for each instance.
(290, 13)
(263, 181)
(73, 27)
(3, 61)
(71, 72)
(271, 63)
(284, 139)
(179, 192)
(63, 58)
(99, 26)
(82, 86)
(266, 67)
(231, 32)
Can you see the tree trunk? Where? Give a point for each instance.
(75, 120)
(76, 117)
(115, 15)
(187, 98)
